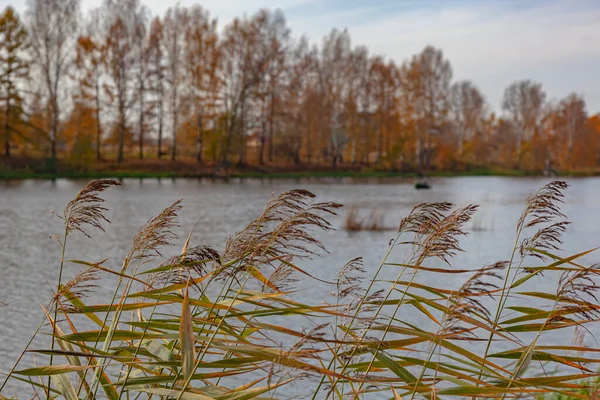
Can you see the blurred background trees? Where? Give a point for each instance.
(117, 84)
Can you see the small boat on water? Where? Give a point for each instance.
(421, 181)
(422, 185)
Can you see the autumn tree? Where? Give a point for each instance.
(241, 71)
(78, 130)
(427, 83)
(359, 104)
(123, 20)
(156, 78)
(201, 58)
(383, 76)
(272, 43)
(296, 101)
(52, 27)
(142, 73)
(175, 25)
(523, 103)
(468, 111)
(570, 124)
(90, 62)
(334, 85)
(14, 66)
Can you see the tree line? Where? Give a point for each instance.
(116, 84)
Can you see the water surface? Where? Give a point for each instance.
(29, 257)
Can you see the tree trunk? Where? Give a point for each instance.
(7, 127)
(379, 141)
(53, 131)
(308, 141)
(297, 153)
(53, 152)
(98, 124)
(120, 156)
(200, 142)
(263, 139)
(297, 157)
(271, 117)
(54, 134)
(174, 144)
(261, 157)
(160, 127)
(141, 128)
(229, 127)
(242, 152)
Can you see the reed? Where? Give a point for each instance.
(206, 324)
(373, 222)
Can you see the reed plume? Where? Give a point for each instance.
(282, 278)
(544, 205)
(467, 301)
(183, 268)
(578, 294)
(443, 241)
(156, 233)
(542, 210)
(283, 229)
(86, 207)
(81, 285)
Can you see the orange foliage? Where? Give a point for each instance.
(250, 93)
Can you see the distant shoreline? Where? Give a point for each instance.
(28, 175)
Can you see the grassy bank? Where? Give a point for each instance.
(235, 324)
(31, 168)
(241, 173)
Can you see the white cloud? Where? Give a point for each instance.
(491, 43)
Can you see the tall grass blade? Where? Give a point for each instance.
(186, 336)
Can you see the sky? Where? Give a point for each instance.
(490, 42)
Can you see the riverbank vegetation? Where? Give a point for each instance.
(116, 85)
(234, 323)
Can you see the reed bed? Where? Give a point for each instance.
(208, 324)
(373, 222)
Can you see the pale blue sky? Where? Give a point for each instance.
(492, 43)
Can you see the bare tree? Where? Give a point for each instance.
(174, 25)
(359, 104)
(91, 66)
(201, 64)
(296, 100)
(334, 85)
(52, 26)
(142, 75)
(242, 69)
(272, 43)
(428, 82)
(468, 111)
(123, 19)
(524, 101)
(382, 76)
(156, 76)
(573, 118)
